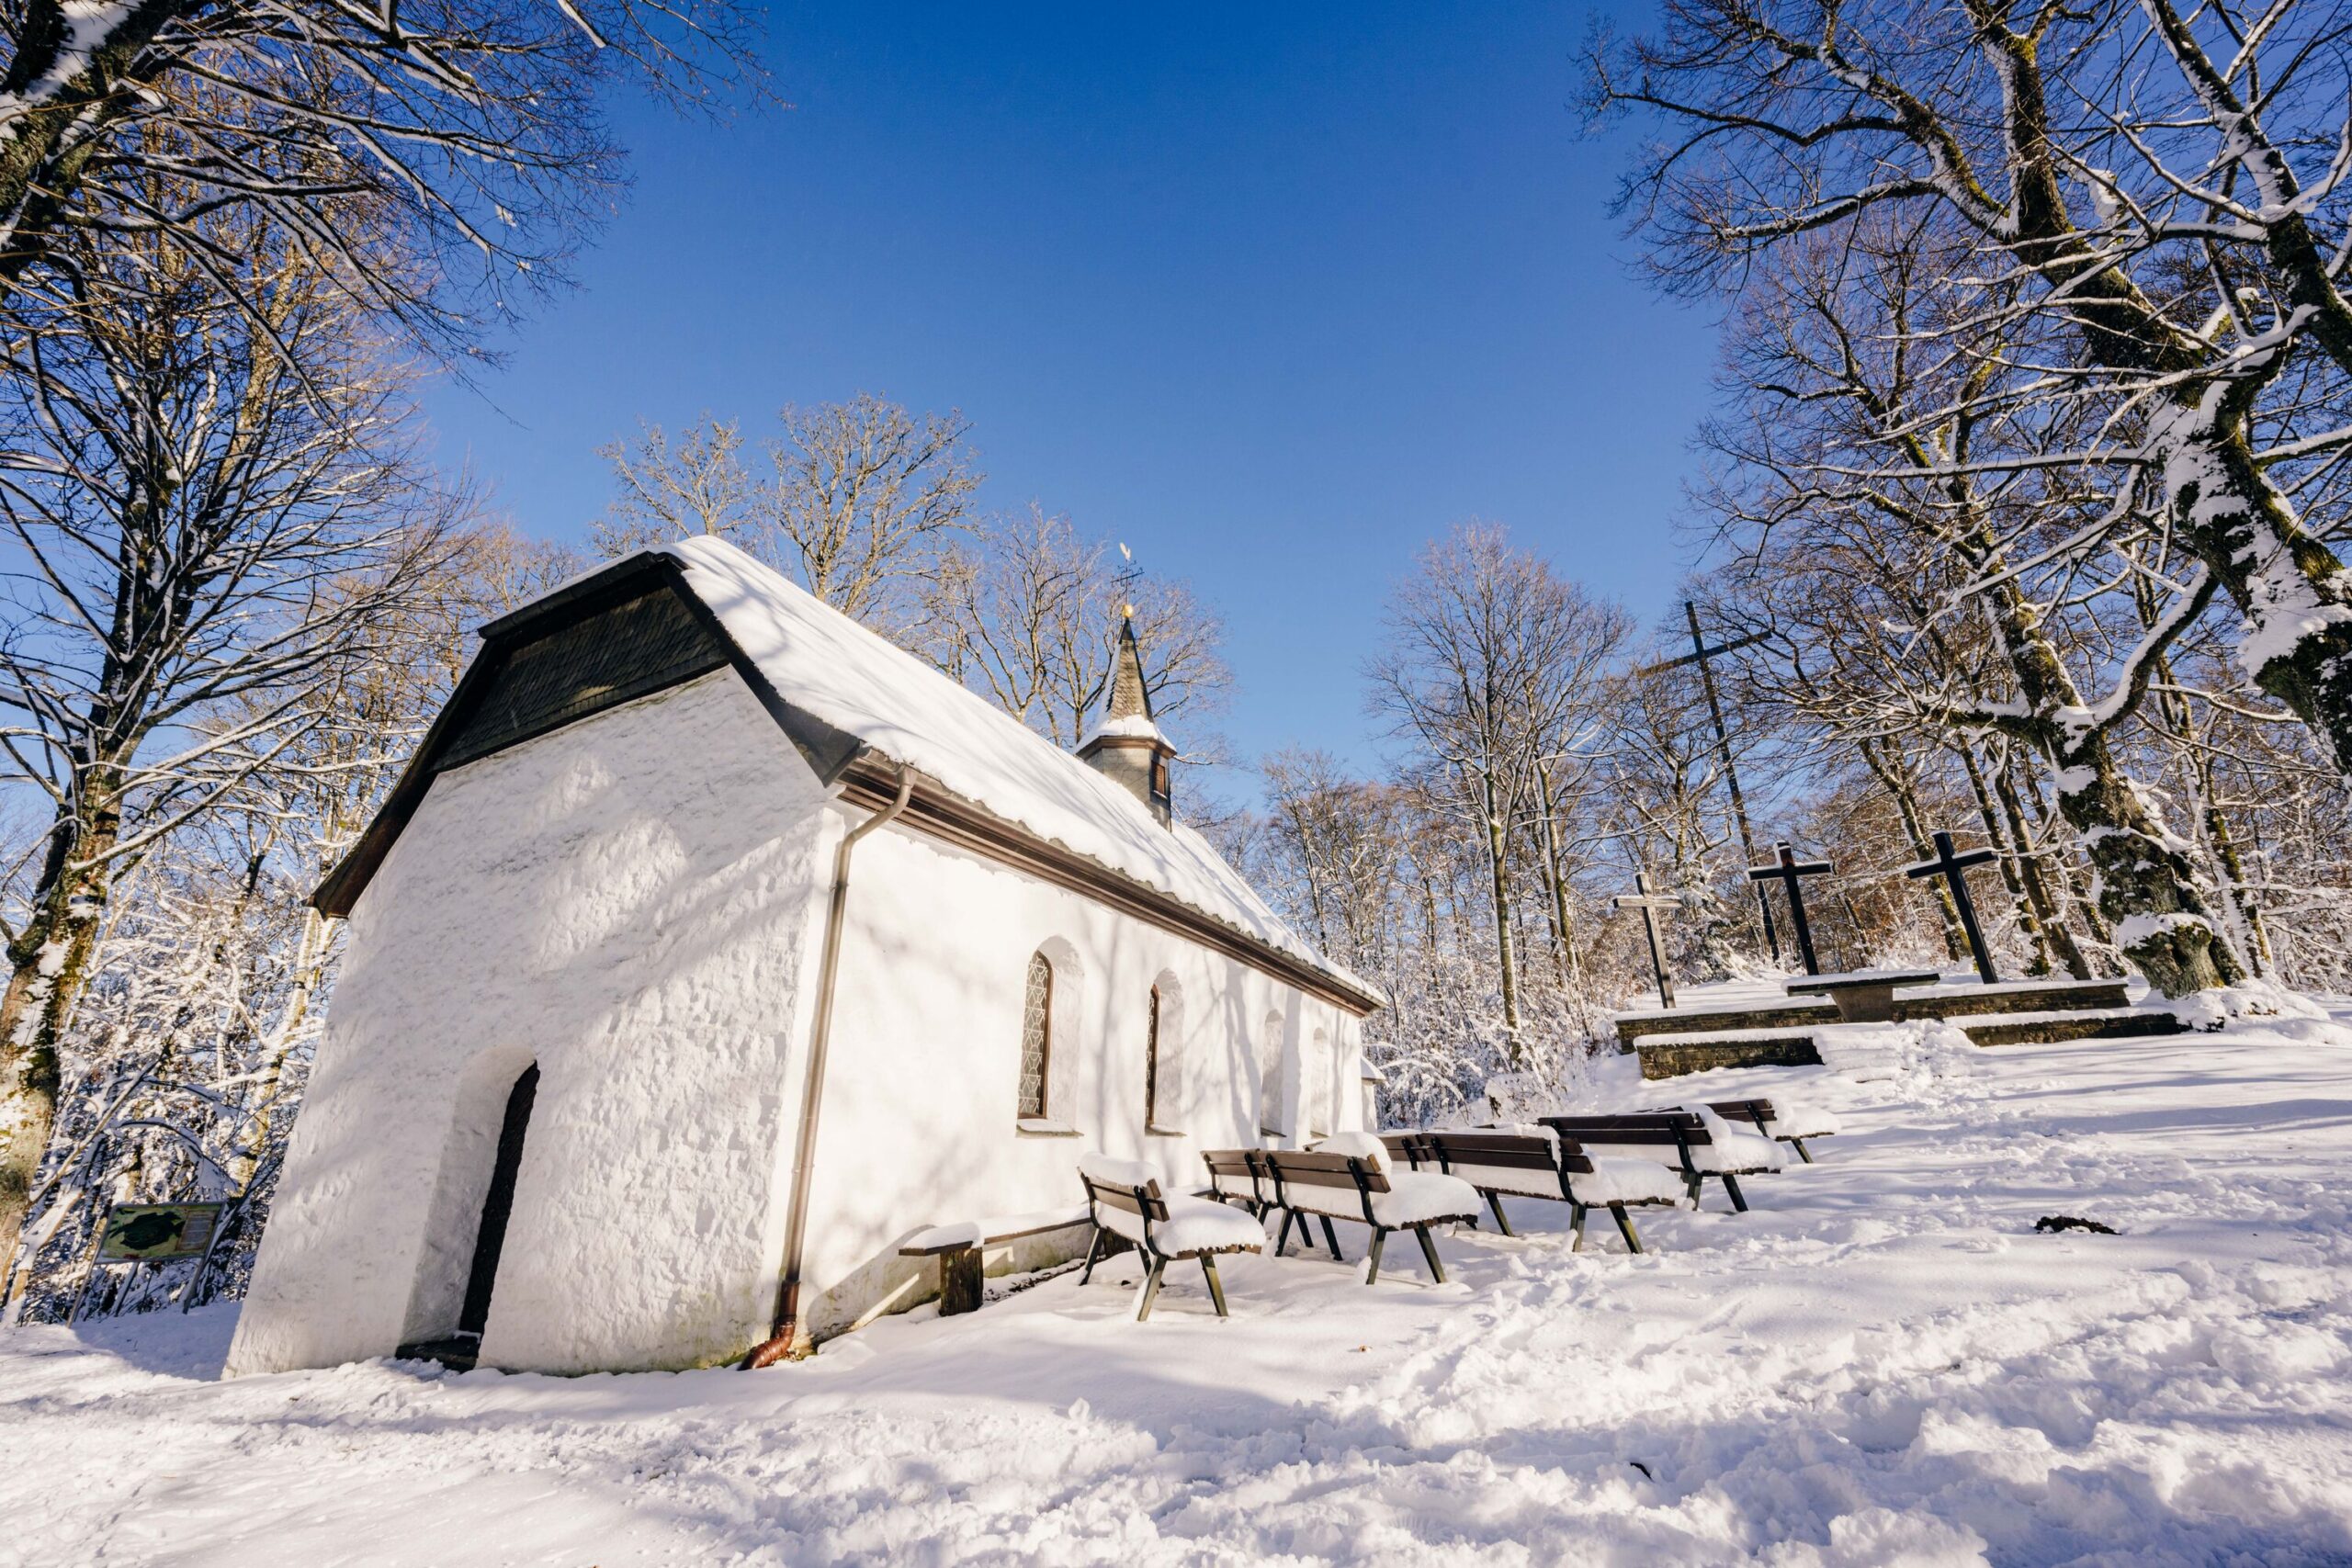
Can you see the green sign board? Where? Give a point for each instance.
(158, 1232)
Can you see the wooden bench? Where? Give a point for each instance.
(1761, 1113)
(1348, 1178)
(1124, 1199)
(1535, 1165)
(959, 1248)
(1695, 1150)
(1235, 1177)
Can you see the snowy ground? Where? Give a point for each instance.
(1881, 1364)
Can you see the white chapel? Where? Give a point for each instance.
(710, 947)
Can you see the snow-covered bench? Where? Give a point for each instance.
(1235, 1177)
(1785, 1123)
(1124, 1198)
(1537, 1164)
(1698, 1143)
(960, 1248)
(1351, 1177)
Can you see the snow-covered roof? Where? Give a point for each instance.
(826, 664)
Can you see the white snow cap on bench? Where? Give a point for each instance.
(1193, 1224)
(1792, 1120)
(1730, 1148)
(1113, 1171)
(1366, 1146)
(1414, 1196)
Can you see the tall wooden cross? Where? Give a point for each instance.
(1787, 870)
(1651, 904)
(1702, 655)
(1950, 866)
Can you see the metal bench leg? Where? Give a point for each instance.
(1372, 1258)
(1150, 1292)
(1693, 1184)
(1094, 1255)
(1495, 1201)
(1332, 1237)
(1803, 1153)
(1625, 1227)
(1576, 1227)
(1730, 1185)
(1429, 1250)
(1216, 1289)
(1282, 1239)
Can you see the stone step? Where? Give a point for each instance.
(2009, 997)
(1671, 1056)
(2053, 1028)
(1795, 1014)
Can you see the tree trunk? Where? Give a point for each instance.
(2177, 720)
(2294, 594)
(2147, 888)
(2049, 906)
(1556, 881)
(2028, 919)
(1499, 870)
(1891, 772)
(48, 965)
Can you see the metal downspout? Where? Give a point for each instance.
(785, 1328)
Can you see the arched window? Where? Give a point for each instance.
(1036, 1036)
(1315, 1088)
(1151, 1062)
(1270, 1078)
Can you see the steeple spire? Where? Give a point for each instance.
(1125, 745)
(1130, 698)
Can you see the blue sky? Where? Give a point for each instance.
(1273, 294)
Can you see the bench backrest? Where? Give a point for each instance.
(1411, 1147)
(1511, 1151)
(1293, 1167)
(1145, 1200)
(1234, 1170)
(1743, 1109)
(1681, 1128)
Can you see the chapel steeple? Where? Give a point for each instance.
(1125, 745)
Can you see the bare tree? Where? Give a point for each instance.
(667, 491)
(1891, 478)
(1028, 612)
(2186, 287)
(468, 131)
(860, 501)
(209, 508)
(1480, 673)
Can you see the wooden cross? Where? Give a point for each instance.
(1701, 656)
(1649, 904)
(1949, 866)
(1786, 869)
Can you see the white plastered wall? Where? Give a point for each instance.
(919, 1120)
(630, 901)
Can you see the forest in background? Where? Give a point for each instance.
(2019, 518)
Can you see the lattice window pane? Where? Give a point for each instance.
(1036, 1036)
(1151, 1063)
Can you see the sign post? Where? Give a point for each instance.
(152, 1233)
